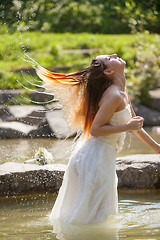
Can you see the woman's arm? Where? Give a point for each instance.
(144, 136)
(100, 126)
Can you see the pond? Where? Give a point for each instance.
(19, 150)
(26, 218)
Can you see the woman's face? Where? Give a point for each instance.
(113, 62)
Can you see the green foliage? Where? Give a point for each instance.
(94, 16)
(140, 51)
(145, 75)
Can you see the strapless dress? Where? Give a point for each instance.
(89, 189)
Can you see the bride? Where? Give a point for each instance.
(99, 105)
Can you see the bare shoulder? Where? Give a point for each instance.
(110, 101)
(111, 96)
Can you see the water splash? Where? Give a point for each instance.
(32, 85)
(28, 59)
(33, 222)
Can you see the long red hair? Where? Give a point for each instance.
(84, 88)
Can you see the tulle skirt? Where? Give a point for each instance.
(89, 189)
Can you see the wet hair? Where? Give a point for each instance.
(84, 90)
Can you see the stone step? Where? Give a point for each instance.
(47, 121)
(37, 96)
(33, 121)
(135, 172)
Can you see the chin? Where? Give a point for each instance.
(123, 62)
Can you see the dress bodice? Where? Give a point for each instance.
(120, 117)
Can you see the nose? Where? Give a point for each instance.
(114, 55)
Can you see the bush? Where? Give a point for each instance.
(96, 16)
(146, 74)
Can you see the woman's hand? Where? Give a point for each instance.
(135, 124)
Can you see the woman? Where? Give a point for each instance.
(103, 111)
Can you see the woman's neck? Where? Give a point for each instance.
(120, 81)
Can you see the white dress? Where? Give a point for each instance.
(89, 189)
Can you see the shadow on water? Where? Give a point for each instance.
(26, 218)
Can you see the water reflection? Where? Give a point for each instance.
(26, 218)
(138, 218)
(19, 150)
(99, 231)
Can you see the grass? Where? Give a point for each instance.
(48, 49)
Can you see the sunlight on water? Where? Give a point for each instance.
(23, 149)
(26, 218)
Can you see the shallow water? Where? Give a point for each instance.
(19, 150)
(26, 218)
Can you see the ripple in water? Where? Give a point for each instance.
(26, 217)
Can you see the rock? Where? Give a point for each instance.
(17, 178)
(141, 171)
(58, 124)
(155, 99)
(138, 172)
(29, 114)
(41, 96)
(5, 113)
(7, 95)
(151, 117)
(26, 121)
(23, 111)
(37, 96)
(47, 121)
(10, 130)
(42, 131)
